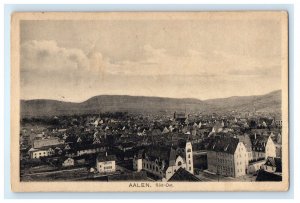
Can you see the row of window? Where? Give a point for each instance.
(225, 169)
(223, 154)
(240, 156)
(150, 167)
(224, 161)
(36, 155)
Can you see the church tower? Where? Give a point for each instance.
(189, 157)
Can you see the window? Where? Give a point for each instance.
(190, 168)
(189, 156)
(189, 150)
(179, 163)
(189, 161)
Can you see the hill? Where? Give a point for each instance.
(264, 103)
(111, 103)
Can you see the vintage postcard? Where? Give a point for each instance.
(149, 101)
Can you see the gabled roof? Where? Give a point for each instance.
(247, 142)
(259, 142)
(274, 162)
(183, 175)
(166, 155)
(103, 157)
(225, 145)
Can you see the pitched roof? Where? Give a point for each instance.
(274, 162)
(266, 176)
(166, 155)
(102, 157)
(226, 145)
(247, 142)
(259, 143)
(183, 175)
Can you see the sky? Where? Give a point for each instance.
(73, 60)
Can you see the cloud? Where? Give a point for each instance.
(48, 67)
(48, 56)
(158, 61)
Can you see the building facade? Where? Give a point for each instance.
(164, 161)
(227, 157)
(106, 163)
(39, 143)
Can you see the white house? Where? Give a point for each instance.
(106, 163)
(37, 153)
(68, 162)
(263, 147)
(227, 157)
(273, 165)
(270, 148)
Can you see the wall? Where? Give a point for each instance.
(152, 167)
(189, 157)
(137, 164)
(106, 166)
(270, 148)
(240, 160)
(225, 164)
(255, 166)
(212, 161)
(38, 154)
(46, 142)
(172, 169)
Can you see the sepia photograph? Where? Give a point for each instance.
(149, 101)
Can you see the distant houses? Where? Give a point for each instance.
(158, 146)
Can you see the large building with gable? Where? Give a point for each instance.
(163, 161)
(227, 157)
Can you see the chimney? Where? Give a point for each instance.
(255, 136)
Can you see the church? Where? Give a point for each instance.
(163, 161)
